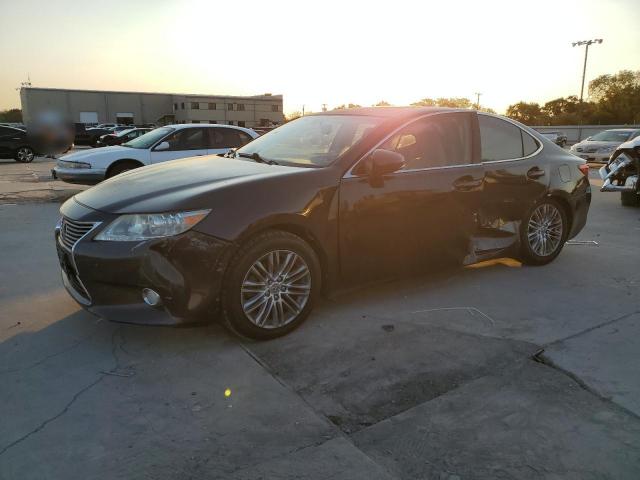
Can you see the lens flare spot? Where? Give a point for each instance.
(227, 392)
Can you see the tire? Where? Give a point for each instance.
(541, 245)
(121, 168)
(630, 199)
(262, 307)
(24, 154)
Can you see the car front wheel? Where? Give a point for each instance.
(271, 286)
(25, 155)
(543, 232)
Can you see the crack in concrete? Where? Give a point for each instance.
(48, 357)
(595, 327)
(51, 419)
(114, 348)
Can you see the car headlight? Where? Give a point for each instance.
(144, 226)
(69, 164)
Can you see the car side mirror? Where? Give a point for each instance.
(162, 146)
(382, 162)
(588, 138)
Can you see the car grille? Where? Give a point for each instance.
(72, 231)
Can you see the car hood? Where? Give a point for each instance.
(595, 144)
(89, 154)
(175, 185)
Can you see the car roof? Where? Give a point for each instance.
(181, 126)
(391, 112)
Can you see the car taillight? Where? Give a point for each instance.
(584, 168)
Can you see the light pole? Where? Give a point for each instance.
(586, 43)
(477, 94)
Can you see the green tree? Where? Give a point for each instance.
(425, 102)
(382, 103)
(527, 113)
(617, 97)
(454, 102)
(349, 105)
(292, 116)
(13, 115)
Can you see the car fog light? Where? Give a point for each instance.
(151, 297)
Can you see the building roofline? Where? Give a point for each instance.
(256, 97)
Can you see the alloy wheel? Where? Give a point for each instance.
(25, 155)
(545, 230)
(275, 289)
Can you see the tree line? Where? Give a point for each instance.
(613, 100)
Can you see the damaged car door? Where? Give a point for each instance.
(423, 210)
(515, 177)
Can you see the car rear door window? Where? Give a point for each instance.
(227, 138)
(500, 140)
(529, 144)
(435, 141)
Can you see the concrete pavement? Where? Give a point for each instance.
(496, 371)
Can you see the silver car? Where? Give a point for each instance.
(600, 146)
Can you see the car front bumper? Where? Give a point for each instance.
(108, 278)
(82, 176)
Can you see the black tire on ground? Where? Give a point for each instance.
(121, 168)
(630, 199)
(24, 154)
(240, 266)
(528, 252)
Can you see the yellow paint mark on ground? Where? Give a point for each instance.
(507, 262)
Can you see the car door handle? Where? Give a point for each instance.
(467, 182)
(535, 172)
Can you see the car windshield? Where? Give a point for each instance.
(611, 136)
(148, 139)
(311, 141)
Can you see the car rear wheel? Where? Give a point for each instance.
(271, 285)
(25, 155)
(543, 232)
(630, 199)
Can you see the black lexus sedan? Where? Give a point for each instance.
(325, 201)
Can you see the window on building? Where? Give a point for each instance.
(275, 108)
(213, 121)
(241, 107)
(230, 122)
(195, 121)
(175, 106)
(212, 106)
(229, 106)
(182, 105)
(195, 106)
(241, 123)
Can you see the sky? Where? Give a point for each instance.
(316, 52)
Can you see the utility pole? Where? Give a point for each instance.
(586, 43)
(477, 94)
(303, 110)
(324, 107)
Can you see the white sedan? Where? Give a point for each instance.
(89, 167)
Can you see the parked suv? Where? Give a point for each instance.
(166, 143)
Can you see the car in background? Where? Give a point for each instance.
(172, 142)
(323, 202)
(559, 138)
(89, 136)
(599, 147)
(121, 137)
(14, 143)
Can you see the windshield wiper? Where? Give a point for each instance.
(255, 156)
